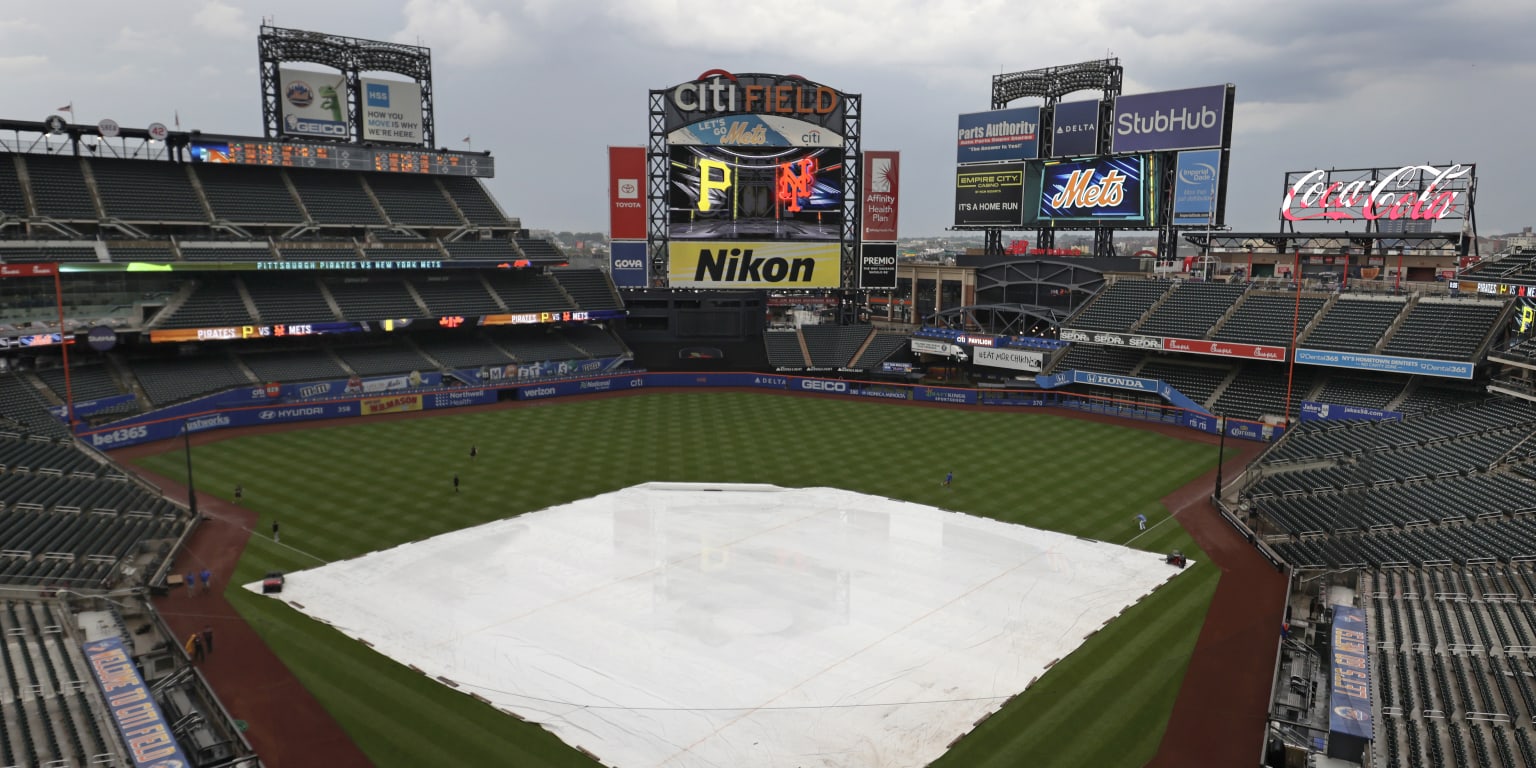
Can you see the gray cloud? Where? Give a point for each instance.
(546, 85)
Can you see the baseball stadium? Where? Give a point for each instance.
(312, 454)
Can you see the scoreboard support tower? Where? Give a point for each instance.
(352, 56)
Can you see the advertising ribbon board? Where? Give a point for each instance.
(1450, 369)
(748, 264)
(397, 404)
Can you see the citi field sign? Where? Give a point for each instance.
(1412, 193)
(718, 92)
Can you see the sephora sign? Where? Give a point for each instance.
(1409, 193)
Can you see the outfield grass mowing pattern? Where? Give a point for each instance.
(340, 492)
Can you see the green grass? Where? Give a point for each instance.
(340, 492)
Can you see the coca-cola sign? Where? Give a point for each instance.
(1408, 193)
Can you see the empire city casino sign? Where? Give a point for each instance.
(718, 92)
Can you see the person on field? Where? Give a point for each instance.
(1141, 522)
(473, 452)
(191, 583)
(949, 478)
(208, 638)
(239, 493)
(275, 538)
(455, 482)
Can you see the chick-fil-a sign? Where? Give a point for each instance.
(1412, 192)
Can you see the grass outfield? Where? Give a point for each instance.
(340, 492)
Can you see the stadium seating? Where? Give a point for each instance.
(1087, 357)
(881, 348)
(474, 201)
(1260, 390)
(25, 409)
(833, 346)
(248, 195)
(13, 201)
(62, 253)
(594, 341)
(333, 198)
(1454, 330)
(125, 252)
(1269, 318)
(147, 192)
(287, 298)
(532, 344)
(1191, 309)
(213, 303)
(413, 200)
(1431, 397)
(1354, 324)
(208, 252)
(1197, 383)
(52, 711)
(784, 350)
(167, 381)
(496, 251)
(539, 249)
(339, 251)
(456, 295)
(58, 188)
(590, 288)
(1364, 392)
(86, 382)
(286, 365)
(374, 298)
(526, 291)
(1119, 306)
(459, 350)
(379, 360)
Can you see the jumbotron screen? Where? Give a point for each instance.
(768, 193)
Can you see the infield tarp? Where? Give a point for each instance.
(709, 625)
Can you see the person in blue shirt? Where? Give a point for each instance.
(1141, 522)
(949, 478)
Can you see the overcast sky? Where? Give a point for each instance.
(547, 84)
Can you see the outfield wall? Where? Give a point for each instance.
(244, 408)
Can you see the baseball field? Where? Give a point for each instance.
(342, 491)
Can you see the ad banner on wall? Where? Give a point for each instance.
(1196, 186)
(1075, 131)
(882, 195)
(1191, 118)
(999, 136)
(627, 263)
(313, 103)
(392, 111)
(990, 195)
(626, 193)
(877, 266)
(753, 264)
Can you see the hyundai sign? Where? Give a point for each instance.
(1193, 118)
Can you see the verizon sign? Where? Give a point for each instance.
(1408, 193)
(1224, 349)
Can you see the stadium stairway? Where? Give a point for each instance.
(421, 303)
(1386, 338)
(1317, 319)
(1152, 310)
(805, 351)
(859, 353)
(90, 189)
(1222, 388)
(245, 297)
(1225, 316)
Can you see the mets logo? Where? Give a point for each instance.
(300, 94)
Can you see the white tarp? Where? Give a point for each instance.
(669, 625)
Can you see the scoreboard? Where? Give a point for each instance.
(294, 154)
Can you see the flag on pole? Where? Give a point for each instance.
(70, 108)
(466, 139)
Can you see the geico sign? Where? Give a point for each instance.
(296, 124)
(823, 386)
(721, 91)
(629, 264)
